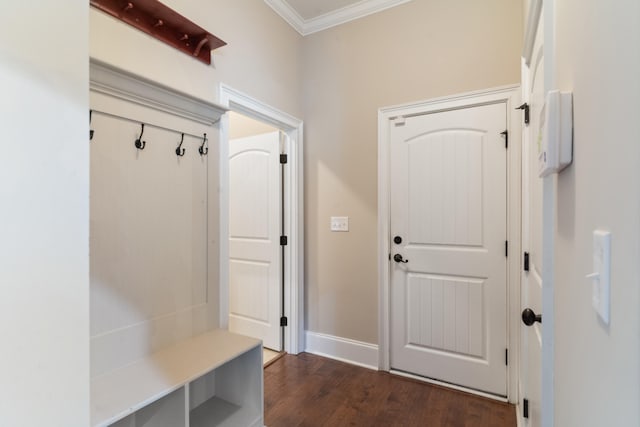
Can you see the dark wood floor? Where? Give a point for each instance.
(308, 390)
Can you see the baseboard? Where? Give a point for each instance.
(343, 349)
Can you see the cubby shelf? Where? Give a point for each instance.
(215, 377)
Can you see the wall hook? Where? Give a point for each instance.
(139, 142)
(180, 151)
(203, 151)
(90, 130)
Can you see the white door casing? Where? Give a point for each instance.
(532, 225)
(255, 301)
(449, 206)
(293, 211)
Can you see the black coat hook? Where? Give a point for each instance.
(90, 130)
(203, 151)
(139, 142)
(180, 151)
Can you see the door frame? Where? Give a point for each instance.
(242, 103)
(545, 9)
(510, 95)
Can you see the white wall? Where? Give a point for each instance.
(597, 367)
(44, 218)
(261, 59)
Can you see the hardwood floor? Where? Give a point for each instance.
(308, 390)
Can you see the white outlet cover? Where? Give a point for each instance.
(339, 223)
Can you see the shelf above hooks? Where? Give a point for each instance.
(164, 24)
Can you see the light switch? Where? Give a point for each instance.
(339, 223)
(601, 276)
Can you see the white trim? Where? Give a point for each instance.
(448, 385)
(126, 86)
(520, 422)
(533, 17)
(510, 95)
(294, 208)
(549, 211)
(343, 349)
(330, 19)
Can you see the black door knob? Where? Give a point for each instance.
(398, 258)
(397, 240)
(529, 317)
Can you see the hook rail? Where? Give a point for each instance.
(179, 132)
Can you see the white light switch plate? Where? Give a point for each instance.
(601, 275)
(339, 223)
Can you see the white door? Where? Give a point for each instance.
(255, 299)
(532, 219)
(449, 208)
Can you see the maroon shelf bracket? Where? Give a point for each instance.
(164, 24)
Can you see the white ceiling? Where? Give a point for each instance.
(310, 16)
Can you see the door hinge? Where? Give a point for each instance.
(284, 321)
(283, 159)
(398, 121)
(525, 107)
(283, 240)
(506, 248)
(506, 138)
(506, 356)
(525, 408)
(526, 261)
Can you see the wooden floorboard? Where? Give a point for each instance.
(309, 390)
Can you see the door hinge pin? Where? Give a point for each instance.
(525, 107)
(506, 248)
(526, 261)
(283, 159)
(283, 240)
(506, 138)
(506, 356)
(525, 408)
(284, 321)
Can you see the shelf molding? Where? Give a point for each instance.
(164, 24)
(115, 82)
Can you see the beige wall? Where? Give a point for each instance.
(597, 367)
(416, 51)
(261, 57)
(44, 218)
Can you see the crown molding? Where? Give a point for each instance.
(331, 19)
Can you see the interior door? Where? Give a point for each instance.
(448, 224)
(255, 299)
(532, 220)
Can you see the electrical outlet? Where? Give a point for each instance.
(340, 223)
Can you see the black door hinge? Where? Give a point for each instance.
(283, 159)
(525, 107)
(506, 356)
(526, 261)
(284, 321)
(506, 248)
(525, 408)
(283, 240)
(506, 138)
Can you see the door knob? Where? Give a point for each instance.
(529, 317)
(398, 258)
